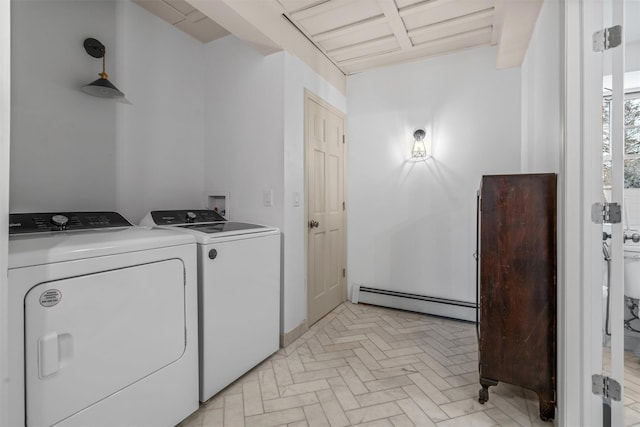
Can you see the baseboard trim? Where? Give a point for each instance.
(295, 333)
(443, 307)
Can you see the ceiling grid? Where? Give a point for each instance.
(358, 35)
(361, 34)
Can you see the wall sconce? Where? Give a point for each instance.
(101, 87)
(420, 149)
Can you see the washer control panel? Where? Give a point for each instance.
(24, 223)
(185, 216)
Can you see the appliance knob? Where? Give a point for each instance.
(60, 221)
(213, 254)
(190, 216)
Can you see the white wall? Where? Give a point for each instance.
(254, 135)
(412, 226)
(298, 77)
(63, 151)
(244, 129)
(632, 56)
(72, 151)
(160, 133)
(541, 94)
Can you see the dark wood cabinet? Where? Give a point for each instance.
(517, 285)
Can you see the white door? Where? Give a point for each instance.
(324, 129)
(88, 337)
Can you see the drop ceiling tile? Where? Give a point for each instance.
(348, 13)
(320, 8)
(456, 43)
(292, 6)
(195, 16)
(371, 48)
(181, 6)
(430, 13)
(161, 10)
(204, 30)
(404, 3)
(357, 34)
(452, 27)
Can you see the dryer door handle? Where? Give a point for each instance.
(48, 355)
(54, 352)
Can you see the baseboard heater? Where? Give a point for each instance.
(460, 310)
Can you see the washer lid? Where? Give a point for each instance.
(221, 227)
(206, 225)
(51, 247)
(215, 232)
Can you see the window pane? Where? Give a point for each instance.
(606, 138)
(606, 173)
(632, 140)
(632, 112)
(632, 173)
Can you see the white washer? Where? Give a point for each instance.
(103, 322)
(239, 292)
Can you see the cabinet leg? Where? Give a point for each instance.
(483, 394)
(547, 409)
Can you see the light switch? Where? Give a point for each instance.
(268, 197)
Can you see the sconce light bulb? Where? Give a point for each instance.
(419, 149)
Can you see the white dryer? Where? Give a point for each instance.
(239, 292)
(103, 322)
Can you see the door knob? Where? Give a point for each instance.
(313, 223)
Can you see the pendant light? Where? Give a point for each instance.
(101, 87)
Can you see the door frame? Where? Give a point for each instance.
(580, 277)
(309, 95)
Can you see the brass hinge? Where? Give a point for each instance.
(344, 272)
(344, 205)
(343, 139)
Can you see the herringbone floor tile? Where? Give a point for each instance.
(370, 366)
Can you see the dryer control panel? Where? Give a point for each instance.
(25, 223)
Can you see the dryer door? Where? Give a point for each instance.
(90, 336)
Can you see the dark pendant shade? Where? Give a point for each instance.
(103, 88)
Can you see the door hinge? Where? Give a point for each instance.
(606, 213)
(344, 272)
(606, 387)
(607, 39)
(344, 206)
(344, 141)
